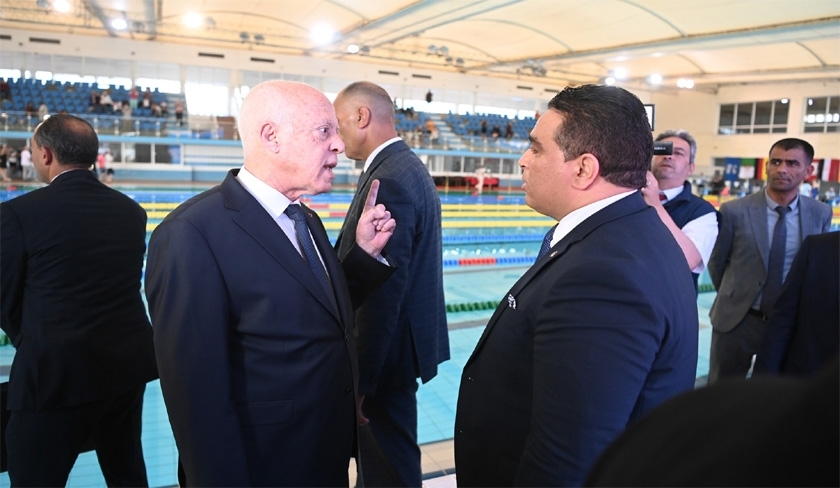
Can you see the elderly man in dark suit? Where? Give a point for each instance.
(71, 258)
(402, 333)
(758, 239)
(253, 312)
(601, 329)
(804, 331)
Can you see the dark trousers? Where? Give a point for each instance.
(388, 450)
(43, 445)
(732, 352)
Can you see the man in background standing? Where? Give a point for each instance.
(72, 257)
(691, 220)
(759, 237)
(402, 332)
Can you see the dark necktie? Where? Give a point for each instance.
(776, 263)
(662, 197)
(546, 243)
(310, 255)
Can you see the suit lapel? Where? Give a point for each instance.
(252, 218)
(758, 220)
(616, 210)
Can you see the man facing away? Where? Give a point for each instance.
(691, 220)
(759, 237)
(599, 330)
(71, 259)
(253, 312)
(401, 327)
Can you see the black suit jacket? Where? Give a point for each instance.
(72, 258)
(596, 333)
(257, 366)
(804, 330)
(412, 298)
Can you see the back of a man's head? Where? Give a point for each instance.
(372, 96)
(609, 123)
(792, 143)
(72, 140)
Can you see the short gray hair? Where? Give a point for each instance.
(684, 135)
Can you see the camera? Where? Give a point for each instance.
(663, 148)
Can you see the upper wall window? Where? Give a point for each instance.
(753, 117)
(822, 114)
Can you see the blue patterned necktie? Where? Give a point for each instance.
(310, 255)
(546, 243)
(776, 263)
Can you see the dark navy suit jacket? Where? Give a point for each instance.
(412, 298)
(257, 366)
(72, 258)
(804, 330)
(596, 333)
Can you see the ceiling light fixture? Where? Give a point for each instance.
(119, 23)
(655, 79)
(321, 34)
(193, 20)
(62, 6)
(353, 48)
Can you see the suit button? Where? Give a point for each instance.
(348, 390)
(470, 378)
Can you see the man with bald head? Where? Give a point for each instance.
(253, 312)
(402, 333)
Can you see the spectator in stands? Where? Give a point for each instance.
(509, 130)
(156, 111)
(496, 132)
(106, 102)
(691, 220)
(432, 131)
(43, 111)
(133, 96)
(483, 128)
(147, 99)
(30, 110)
(179, 112)
(164, 108)
(94, 104)
(5, 90)
(126, 113)
(12, 162)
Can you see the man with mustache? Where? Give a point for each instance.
(691, 220)
(753, 255)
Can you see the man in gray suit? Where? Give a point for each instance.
(752, 256)
(401, 328)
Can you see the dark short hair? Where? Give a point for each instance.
(373, 92)
(792, 143)
(610, 123)
(71, 139)
(684, 135)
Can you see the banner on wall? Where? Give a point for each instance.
(829, 170)
(732, 169)
(747, 171)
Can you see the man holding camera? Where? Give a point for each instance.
(691, 220)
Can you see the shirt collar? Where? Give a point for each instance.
(271, 200)
(569, 222)
(378, 150)
(67, 171)
(771, 204)
(672, 193)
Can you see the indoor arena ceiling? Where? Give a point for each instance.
(711, 42)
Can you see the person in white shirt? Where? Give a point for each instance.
(26, 164)
(692, 220)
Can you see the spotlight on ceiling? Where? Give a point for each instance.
(119, 23)
(353, 48)
(44, 4)
(244, 36)
(365, 50)
(259, 38)
(655, 79)
(321, 34)
(62, 6)
(193, 20)
(609, 81)
(685, 83)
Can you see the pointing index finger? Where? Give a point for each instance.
(372, 194)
